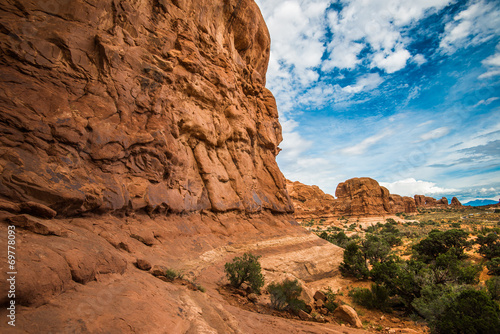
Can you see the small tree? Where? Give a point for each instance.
(493, 266)
(377, 297)
(286, 294)
(245, 269)
(493, 285)
(354, 263)
(375, 249)
(489, 245)
(471, 312)
(440, 242)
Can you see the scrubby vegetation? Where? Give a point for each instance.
(428, 266)
(286, 295)
(245, 269)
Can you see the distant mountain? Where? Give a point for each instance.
(480, 202)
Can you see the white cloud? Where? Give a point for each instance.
(475, 25)
(297, 29)
(365, 83)
(486, 102)
(419, 59)
(376, 25)
(361, 147)
(411, 187)
(392, 61)
(492, 63)
(293, 144)
(436, 133)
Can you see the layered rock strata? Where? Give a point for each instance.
(138, 134)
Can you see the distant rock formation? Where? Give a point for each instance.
(402, 204)
(355, 197)
(455, 202)
(362, 197)
(310, 202)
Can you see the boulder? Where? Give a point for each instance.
(143, 264)
(319, 295)
(348, 314)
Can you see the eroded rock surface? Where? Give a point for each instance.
(128, 105)
(134, 135)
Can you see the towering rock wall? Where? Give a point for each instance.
(138, 132)
(110, 106)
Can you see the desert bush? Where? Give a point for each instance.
(286, 295)
(377, 297)
(172, 274)
(375, 249)
(440, 242)
(331, 300)
(245, 269)
(471, 311)
(403, 279)
(489, 245)
(493, 286)
(340, 239)
(354, 263)
(493, 266)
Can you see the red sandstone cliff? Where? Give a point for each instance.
(130, 105)
(137, 133)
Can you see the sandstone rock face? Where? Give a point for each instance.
(424, 201)
(402, 204)
(363, 196)
(442, 201)
(355, 197)
(310, 201)
(455, 202)
(112, 106)
(136, 136)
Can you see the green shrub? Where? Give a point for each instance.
(493, 266)
(375, 249)
(377, 297)
(245, 269)
(489, 245)
(172, 274)
(331, 303)
(286, 295)
(354, 263)
(493, 286)
(440, 242)
(403, 279)
(471, 311)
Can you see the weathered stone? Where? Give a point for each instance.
(143, 264)
(37, 209)
(35, 225)
(158, 270)
(348, 314)
(304, 316)
(319, 295)
(252, 297)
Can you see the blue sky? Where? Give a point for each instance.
(404, 91)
